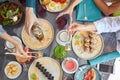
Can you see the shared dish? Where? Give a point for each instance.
(87, 45)
(10, 13)
(54, 5)
(36, 44)
(87, 72)
(45, 68)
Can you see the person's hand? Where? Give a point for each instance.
(30, 19)
(68, 11)
(19, 50)
(76, 27)
(72, 28)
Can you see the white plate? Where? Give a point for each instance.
(50, 64)
(20, 70)
(78, 48)
(9, 45)
(63, 38)
(57, 7)
(34, 44)
(63, 65)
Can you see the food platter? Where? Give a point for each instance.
(10, 13)
(54, 5)
(80, 74)
(34, 44)
(87, 47)
(50, 64)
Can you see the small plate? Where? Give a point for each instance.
(63, 37)
(63, 65)
(19, 72)
(79, 75)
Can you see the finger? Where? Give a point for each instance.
(70, 18)
(61, 14)
(39, 22)
(28, 28)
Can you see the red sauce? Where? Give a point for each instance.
(70, 65)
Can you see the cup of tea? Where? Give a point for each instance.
(9, 46)
(63, 37)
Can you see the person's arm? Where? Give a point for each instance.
(18, 46)
(107, 10)
(69, 10)
(30, 17)
(108, 24)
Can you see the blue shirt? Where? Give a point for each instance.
(31, 3)
(1, 30)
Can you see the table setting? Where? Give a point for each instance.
(53, 54)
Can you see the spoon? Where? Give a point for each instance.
(85, 17)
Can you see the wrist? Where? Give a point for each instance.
(29, 9)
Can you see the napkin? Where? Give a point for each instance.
(104, 58)
(92, 11)
(116, 68)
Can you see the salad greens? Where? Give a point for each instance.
(8, 11)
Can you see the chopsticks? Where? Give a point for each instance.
(19, 55)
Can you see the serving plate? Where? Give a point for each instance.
(10, 13)
(50, 64)
(78, 45)
(52, 6)
(35, 44)
(79, 75)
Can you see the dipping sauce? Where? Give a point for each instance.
(70, 65)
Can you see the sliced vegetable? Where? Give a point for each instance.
(33, 76)
(77, 37)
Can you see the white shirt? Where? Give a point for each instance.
(109, 24)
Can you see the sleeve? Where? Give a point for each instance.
(1, 30)
(31, 3)
(108, 24)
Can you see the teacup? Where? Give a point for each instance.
(9, 46)
(64, 36)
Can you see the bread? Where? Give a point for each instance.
(90, 74)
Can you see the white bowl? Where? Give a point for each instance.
(63, 65)
(15, 76)
(10, 45)
(63, 37)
